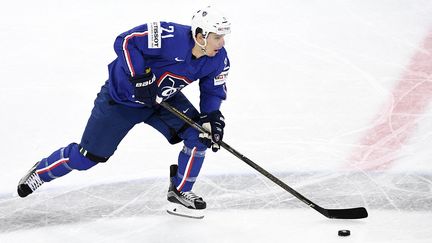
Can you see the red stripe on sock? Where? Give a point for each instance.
(187, 174)
(52, 166)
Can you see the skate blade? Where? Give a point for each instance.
(179, 210)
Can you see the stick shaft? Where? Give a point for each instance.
(349, 213)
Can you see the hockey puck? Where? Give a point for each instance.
(344, 232)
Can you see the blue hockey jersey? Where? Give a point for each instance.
(167, 49)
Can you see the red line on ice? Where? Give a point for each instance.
(397, 120)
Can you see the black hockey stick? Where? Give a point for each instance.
(346, 213)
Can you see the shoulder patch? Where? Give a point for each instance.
(221, 78)
(154, 35)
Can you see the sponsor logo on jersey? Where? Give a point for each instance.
(221, 78)
(154, 37)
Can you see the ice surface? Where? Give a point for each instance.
(311, 83)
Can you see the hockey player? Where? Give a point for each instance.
(154, 62)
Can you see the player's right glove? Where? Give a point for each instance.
(214, 123)
(145, 87)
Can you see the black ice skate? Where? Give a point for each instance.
(30, 182)
(185, 204)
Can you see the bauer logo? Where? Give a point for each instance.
(154, 36)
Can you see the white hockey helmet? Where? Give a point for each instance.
(209, 20)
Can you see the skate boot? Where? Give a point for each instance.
(30, 182)
(185, 204)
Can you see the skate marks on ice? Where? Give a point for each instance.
(78, 205)
(407, 192)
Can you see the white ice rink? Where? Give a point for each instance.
(333, 97)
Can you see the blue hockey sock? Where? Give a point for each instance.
(190, 161)
(62, 162)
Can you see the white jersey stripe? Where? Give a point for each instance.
(126, 51)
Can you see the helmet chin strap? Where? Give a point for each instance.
(203, 47)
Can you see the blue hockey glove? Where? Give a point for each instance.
(214, 123)
(145, 87)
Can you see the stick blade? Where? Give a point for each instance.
(347, 213)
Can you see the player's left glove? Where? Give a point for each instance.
(214, 122)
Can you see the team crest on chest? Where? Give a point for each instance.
(169, 84)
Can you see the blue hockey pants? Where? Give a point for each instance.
(108, 125)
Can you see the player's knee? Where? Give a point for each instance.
(195, 143)
(197, 153)
(81, 159)
(191, 139)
